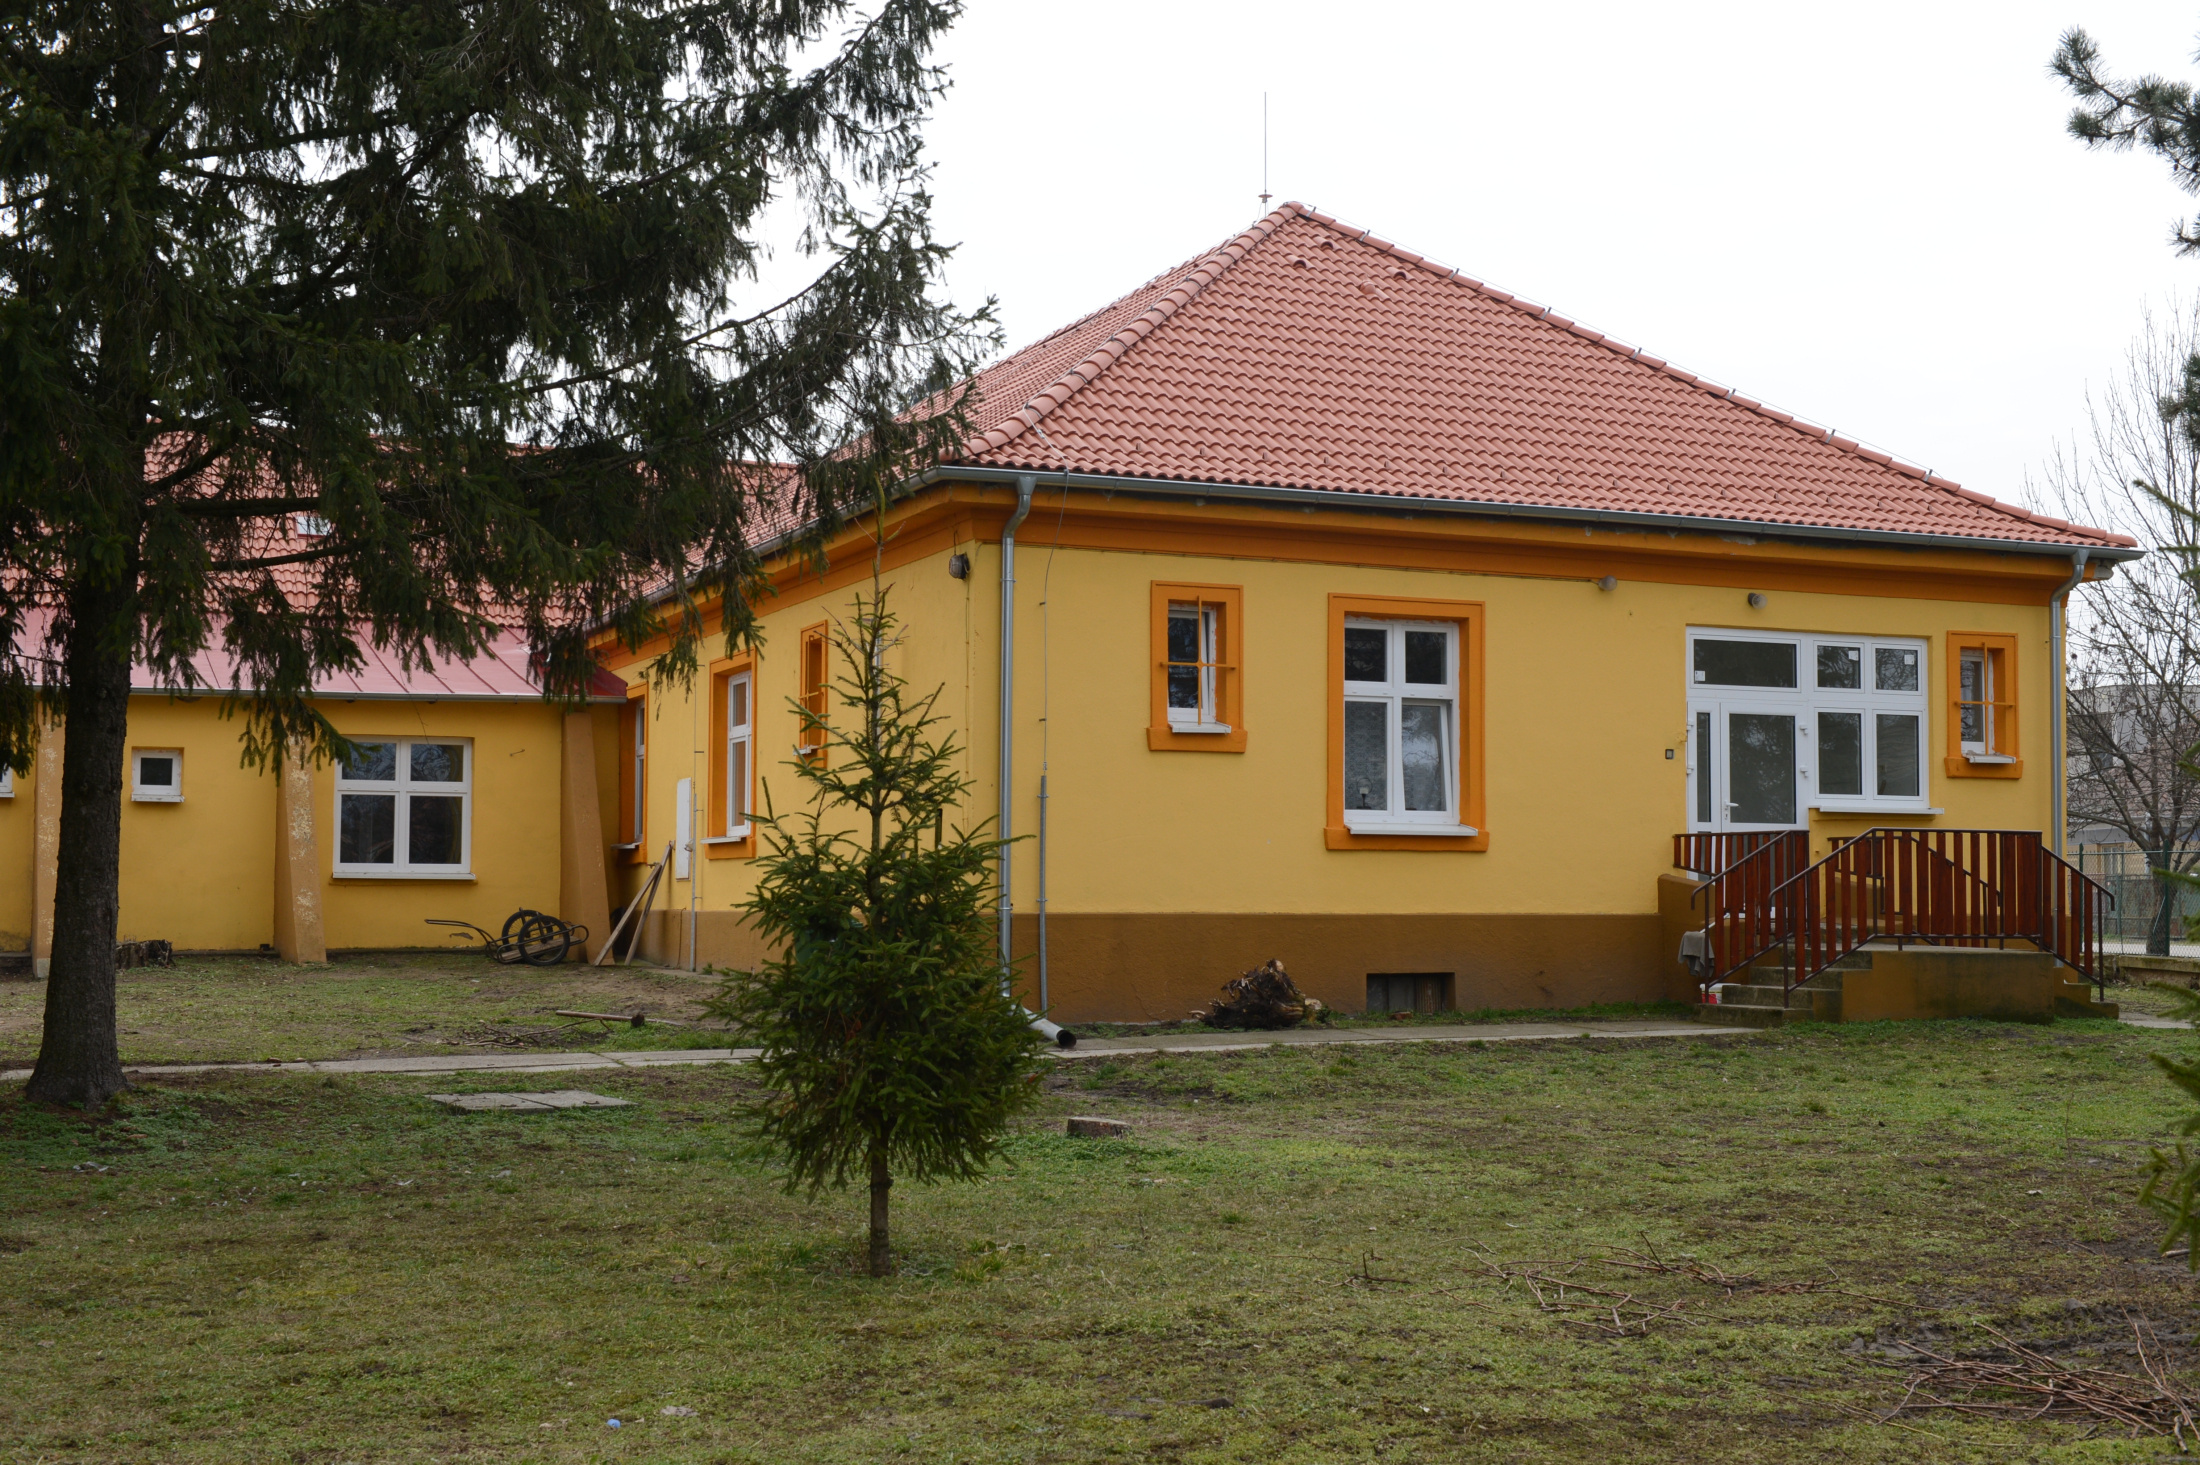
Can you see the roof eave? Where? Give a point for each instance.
(1618, 518)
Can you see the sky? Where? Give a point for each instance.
(1869, 215)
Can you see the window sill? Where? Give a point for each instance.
(1422, 831)
(1427, 838)
(402, 875)
(629, 845)
(1196, 729)
(137, 798)
(1874, 806)
(741, 838)
(1984, 765)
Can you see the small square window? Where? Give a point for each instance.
(1896, 667)
(1841, 668)
(156, 775)
(311, 526)
(7, 782)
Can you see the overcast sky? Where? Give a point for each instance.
(1868, 214)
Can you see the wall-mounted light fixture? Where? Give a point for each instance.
(1609, 582)
(958, 565)
(1756, 600)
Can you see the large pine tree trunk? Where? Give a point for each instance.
(882, 1255)
(77, 1058)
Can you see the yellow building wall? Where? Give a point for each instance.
(16, 815)
(200, 873)
(197, 873)
(514, 853)
(1170, 871)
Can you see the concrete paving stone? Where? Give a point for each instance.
(1088, 1126)
(553, 1099)
(675, 1056)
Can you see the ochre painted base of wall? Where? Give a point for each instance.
(1149, 968)
(1677, 913)
(1930, 982)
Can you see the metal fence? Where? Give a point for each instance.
(2127, 871)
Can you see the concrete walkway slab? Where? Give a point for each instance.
(554, 1099)
(1201, 1042)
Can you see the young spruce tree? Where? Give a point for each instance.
(891, 1042)
(465, 282)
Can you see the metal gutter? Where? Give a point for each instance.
(530, 699)
(1481, 508)
(1025, 484)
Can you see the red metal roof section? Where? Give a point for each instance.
(504, 672)
(1306, 353)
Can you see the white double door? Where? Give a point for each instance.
(1749, 764)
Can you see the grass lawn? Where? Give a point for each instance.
(1288, 1261)
(245, 1009)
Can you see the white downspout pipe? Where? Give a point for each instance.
(2057, 631)
(1025, 484)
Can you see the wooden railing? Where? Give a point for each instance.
(1941, 887)
(1714, 853)
(1741, 921)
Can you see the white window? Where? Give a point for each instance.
(1401, 727)
(7, 782)
(311, 526)
(404, 807)
(1194, 656)
(740, 736)
(156, 775)
(1782, 724)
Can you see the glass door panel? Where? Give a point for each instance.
(1760, 769)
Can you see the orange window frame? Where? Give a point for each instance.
(722, 673)
(815, 690)
(633, 782)
(2000, 651)
(1468, 616)
(1228, 603)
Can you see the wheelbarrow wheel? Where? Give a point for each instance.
(536, 939)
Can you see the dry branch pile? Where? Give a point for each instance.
(1261, 998)
(1601, 1309)
(2031, 1385)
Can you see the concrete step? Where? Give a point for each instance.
(2076, 1000)
(1748, 1015)
(1760, 994)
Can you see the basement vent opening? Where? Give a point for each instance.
(1409, 992)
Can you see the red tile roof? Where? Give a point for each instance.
(1308, 354)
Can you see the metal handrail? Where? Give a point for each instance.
(2011, 886)
(1734, 898)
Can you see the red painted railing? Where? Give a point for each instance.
(1741, 920)
(1941, 887)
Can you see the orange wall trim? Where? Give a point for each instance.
(2000, 650)
(1229, 602)
(938, 518)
